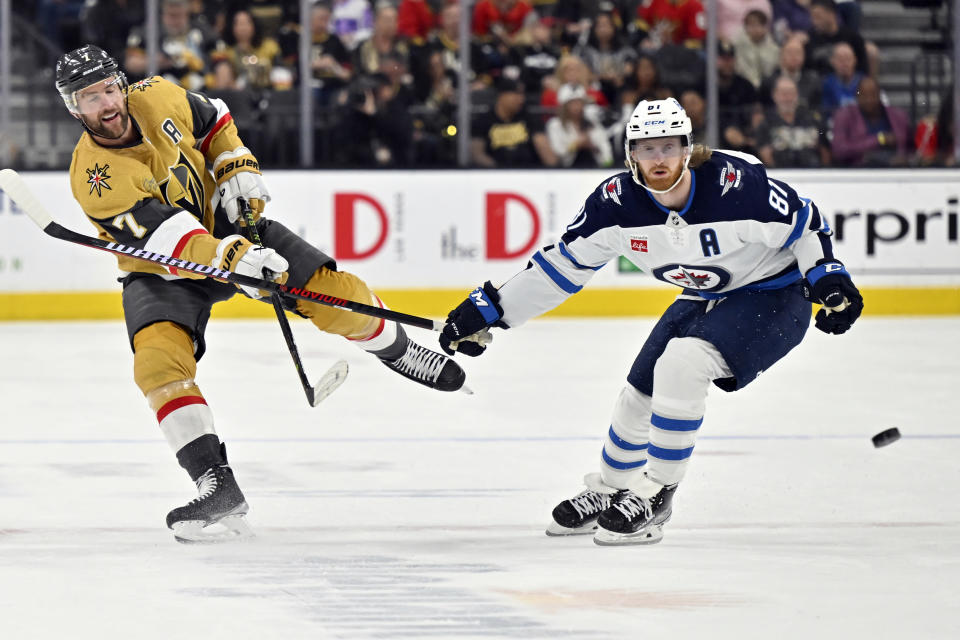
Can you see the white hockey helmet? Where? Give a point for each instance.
(657, 119)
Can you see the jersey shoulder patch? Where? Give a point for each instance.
(106, 184)
(156, 99)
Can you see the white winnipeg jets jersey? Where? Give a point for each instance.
(739, 229)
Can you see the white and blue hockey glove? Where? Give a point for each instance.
(831, 286)
(466, 328)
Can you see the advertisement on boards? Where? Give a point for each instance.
(454, 229)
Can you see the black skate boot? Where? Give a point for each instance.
(578, 515)
(429, 368)
(632, 519)
(220, 503)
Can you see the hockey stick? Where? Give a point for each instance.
(13, 185)
(335, 375)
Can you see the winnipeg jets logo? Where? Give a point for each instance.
(699, 278)
(612, 191)
(729, 178)
(141, 85)
(97, 179)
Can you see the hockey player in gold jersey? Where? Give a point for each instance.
(164, 169)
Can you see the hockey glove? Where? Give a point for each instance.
(466, 328)
(238, 176)
(236, 254)
(831, 286)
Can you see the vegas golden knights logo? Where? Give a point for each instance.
(183, 188)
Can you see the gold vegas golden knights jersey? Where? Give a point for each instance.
(156, 193)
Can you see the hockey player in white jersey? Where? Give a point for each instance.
(750, 255)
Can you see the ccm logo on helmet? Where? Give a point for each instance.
(649, 123)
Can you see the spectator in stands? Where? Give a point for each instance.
(840, 86)
(869, 133)
(501, 20)
(182, 53)
(935, 134)
(107, 23)
(849, 12)
(791, 66)
(642, 83)
(223, 76)
(740, 110)
(394, 66)
(352, 21)
(572, 70)
(252, 54)
(537, 60)
(671, 22)
(790, 134)
(730, 15)
(330, 65)
(415, 20)
(382, 41)
(375, 131)
(757, 55)
(827, 32)
(576, 141)
(506, 136)
(790, 18)
(696, 107)
(435, 118)
(607, 55)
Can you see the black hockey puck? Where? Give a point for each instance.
(884, 438)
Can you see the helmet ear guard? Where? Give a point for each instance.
(657, 119)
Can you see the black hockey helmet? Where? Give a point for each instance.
(83, 67)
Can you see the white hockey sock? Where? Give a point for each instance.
(625, 447)
(383, 339)
(185, 418)
(681, 379)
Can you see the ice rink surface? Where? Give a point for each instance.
(391, 511)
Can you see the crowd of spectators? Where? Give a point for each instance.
(552, 82)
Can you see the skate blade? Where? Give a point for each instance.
(649, 535)
(465, 389)
(227, 529)
(557, 530)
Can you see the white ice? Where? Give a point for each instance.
(391, 511)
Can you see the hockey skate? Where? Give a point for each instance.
(633, 519)
(216, 515)
(429, 368)
(578, 515)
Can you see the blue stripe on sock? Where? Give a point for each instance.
(671, 424)
(623, 444)
(623, 466)
(669, 454)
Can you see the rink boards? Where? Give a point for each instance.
(422, 239)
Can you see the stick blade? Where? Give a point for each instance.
(13, 185)
(328, 383)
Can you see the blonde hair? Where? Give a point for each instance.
(699, 154)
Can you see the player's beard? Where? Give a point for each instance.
(664, 182)
(109, 130)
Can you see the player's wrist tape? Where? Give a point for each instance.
(825, 269)
(485, 299)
